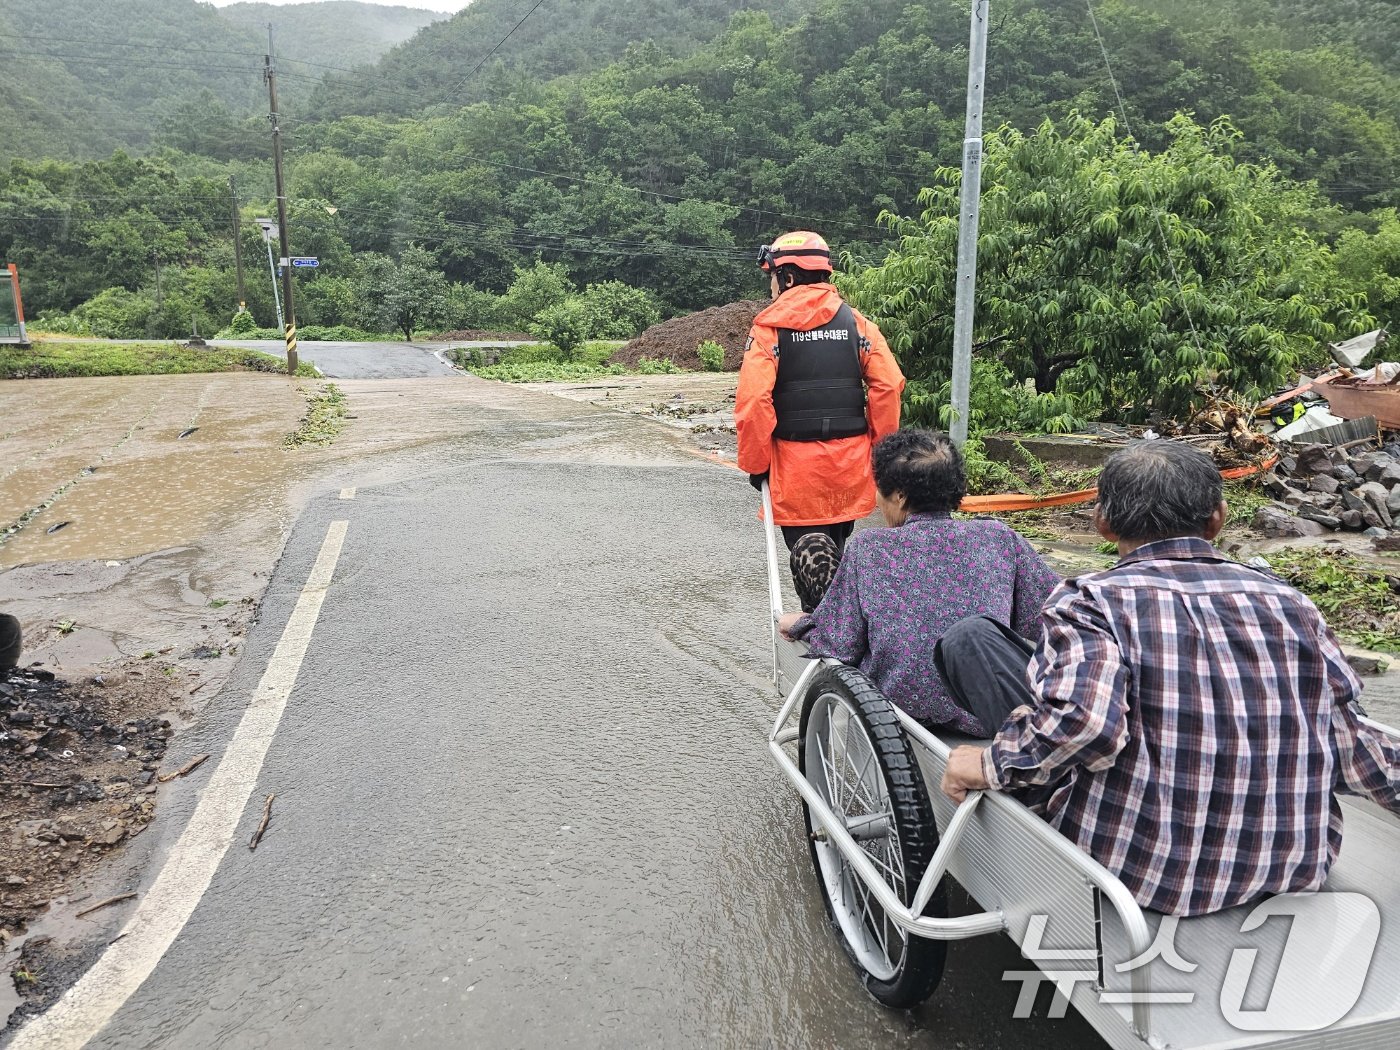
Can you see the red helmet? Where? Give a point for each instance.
(803, 249)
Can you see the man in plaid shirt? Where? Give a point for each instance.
(1185, 719)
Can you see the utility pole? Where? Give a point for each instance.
(154, 319)
(237, 247)
(963, 309)
(290, 322)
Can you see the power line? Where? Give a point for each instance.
(1156, 215)
(488, 54)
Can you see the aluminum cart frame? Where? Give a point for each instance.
(1328, 976)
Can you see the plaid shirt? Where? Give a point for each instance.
(1195, 717)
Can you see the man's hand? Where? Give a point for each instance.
(786, 622)
(964, 773)
(757, 480)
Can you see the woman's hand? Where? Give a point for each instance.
(787, 622)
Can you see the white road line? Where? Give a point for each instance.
(347, 493)
(163, 911)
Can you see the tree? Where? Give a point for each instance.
(1139, 278)
(1372, 262)
(532, 292)
(564, 324)
(615, 311)
(400, 295)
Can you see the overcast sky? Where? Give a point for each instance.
(431, 5)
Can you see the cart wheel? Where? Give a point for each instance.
(854, 753)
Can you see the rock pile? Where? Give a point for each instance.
(1318, 490)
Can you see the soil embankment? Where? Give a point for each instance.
(680, 338)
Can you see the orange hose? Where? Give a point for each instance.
(1016, 501)
(1002, 502)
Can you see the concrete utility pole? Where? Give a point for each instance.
(963, 311)
(237, 247)
(290, 323)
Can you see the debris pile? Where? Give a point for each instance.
(1318, 490)
(73, 782)
(1226, 427)
(680, 338)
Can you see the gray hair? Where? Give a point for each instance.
(1154, 490)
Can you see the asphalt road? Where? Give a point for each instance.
(366, 360)
(522, 794)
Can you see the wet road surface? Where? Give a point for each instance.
(366, 360)
(522, 793)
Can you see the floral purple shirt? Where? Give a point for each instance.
(898, 590)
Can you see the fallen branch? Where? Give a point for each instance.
(103, 904)
(266, 818)
(188, 767)
(32, 784)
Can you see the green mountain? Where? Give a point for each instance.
(81, 78)
(661, 166)
(555, 40)
(334, 32)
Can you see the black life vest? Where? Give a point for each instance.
(819, 394)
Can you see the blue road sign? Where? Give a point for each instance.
(313, 263)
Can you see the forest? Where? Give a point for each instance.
(643, 146)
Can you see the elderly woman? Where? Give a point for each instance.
(897, 590)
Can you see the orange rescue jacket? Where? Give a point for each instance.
(812, 482)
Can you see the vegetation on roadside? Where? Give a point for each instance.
(1114, 282)
(244, 327)
(1026, 473)
(711, 356)
(1244, 498)
(547, 363)
(1361, 602)
(61, 359)
(324, 419)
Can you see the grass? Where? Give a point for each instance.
(1032, 524)
(324, 419)
(545, 371)
(1360, 603)
(65, 359)
(541, 363)
(1244, 498)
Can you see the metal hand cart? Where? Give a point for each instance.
(1296, 972)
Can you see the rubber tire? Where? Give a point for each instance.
(922, 968)
(10, 641)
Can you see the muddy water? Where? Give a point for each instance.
(105, 456)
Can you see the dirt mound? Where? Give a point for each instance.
(680, 337)
(476, 335)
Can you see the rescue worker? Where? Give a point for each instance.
(817, 388)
